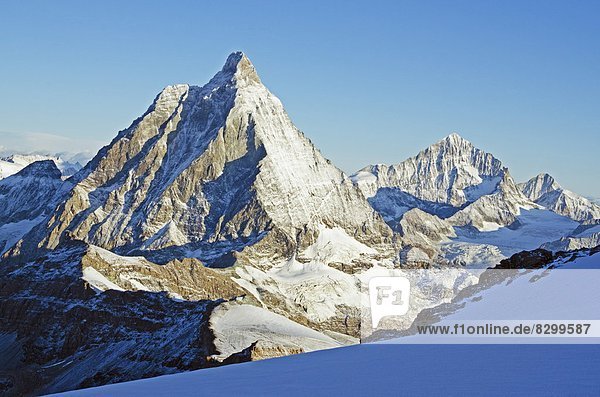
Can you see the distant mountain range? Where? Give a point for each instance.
(13, 163)
(212, 231)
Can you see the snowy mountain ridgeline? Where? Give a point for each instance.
(13, 163)
(212, 231)
(450, 179)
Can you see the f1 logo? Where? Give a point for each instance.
(389, 296)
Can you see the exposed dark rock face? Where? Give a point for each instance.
(535, 259)
(59, 334)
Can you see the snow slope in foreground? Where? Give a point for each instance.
(371, 370)
(395, 369)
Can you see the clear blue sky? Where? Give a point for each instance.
(368, 82)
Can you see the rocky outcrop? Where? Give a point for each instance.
(419, 225)
(421, 233)
(185, 279)
(535, 259)
(65, 335)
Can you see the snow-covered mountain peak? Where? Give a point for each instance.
(457, 150)
(25, 198)
(452, 171)
(14, 163)
(241, 67)
(545, 191)
(539, 185)
(454, 139)
(218, 163)
(238, 70)
(451, 179)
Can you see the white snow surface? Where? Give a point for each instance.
(543, 298)
(237, 326)
(380, 370)
(98, 281)
(10, 233)
(567, 292)
(307, 280)
(482, 249)
(335, 245)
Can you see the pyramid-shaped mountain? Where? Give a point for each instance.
(208, 171)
